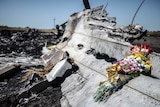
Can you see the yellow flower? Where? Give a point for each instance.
(148, 63)
(139, 55)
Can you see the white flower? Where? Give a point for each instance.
(138, 58)
(140, 70)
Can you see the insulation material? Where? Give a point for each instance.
(59, 69)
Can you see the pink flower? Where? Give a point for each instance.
(125, 62)
(135, 65)
(122, 63)
(135, 49)
(132, 68)
(126, 70)
(136, 68)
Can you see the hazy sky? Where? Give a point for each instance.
(40, 13)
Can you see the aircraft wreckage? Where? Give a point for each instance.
(91, 43)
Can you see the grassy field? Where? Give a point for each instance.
(154, 33)
(20, 29)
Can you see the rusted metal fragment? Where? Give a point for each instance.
(7, 72)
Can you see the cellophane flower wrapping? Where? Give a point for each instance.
(135, 63)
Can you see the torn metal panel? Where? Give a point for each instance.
(98, 32)
(108, 24)
(53, 56)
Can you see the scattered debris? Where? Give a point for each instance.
(23, 68)
(40, 72)
(27, 43)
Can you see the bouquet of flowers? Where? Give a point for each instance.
(135, 63)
